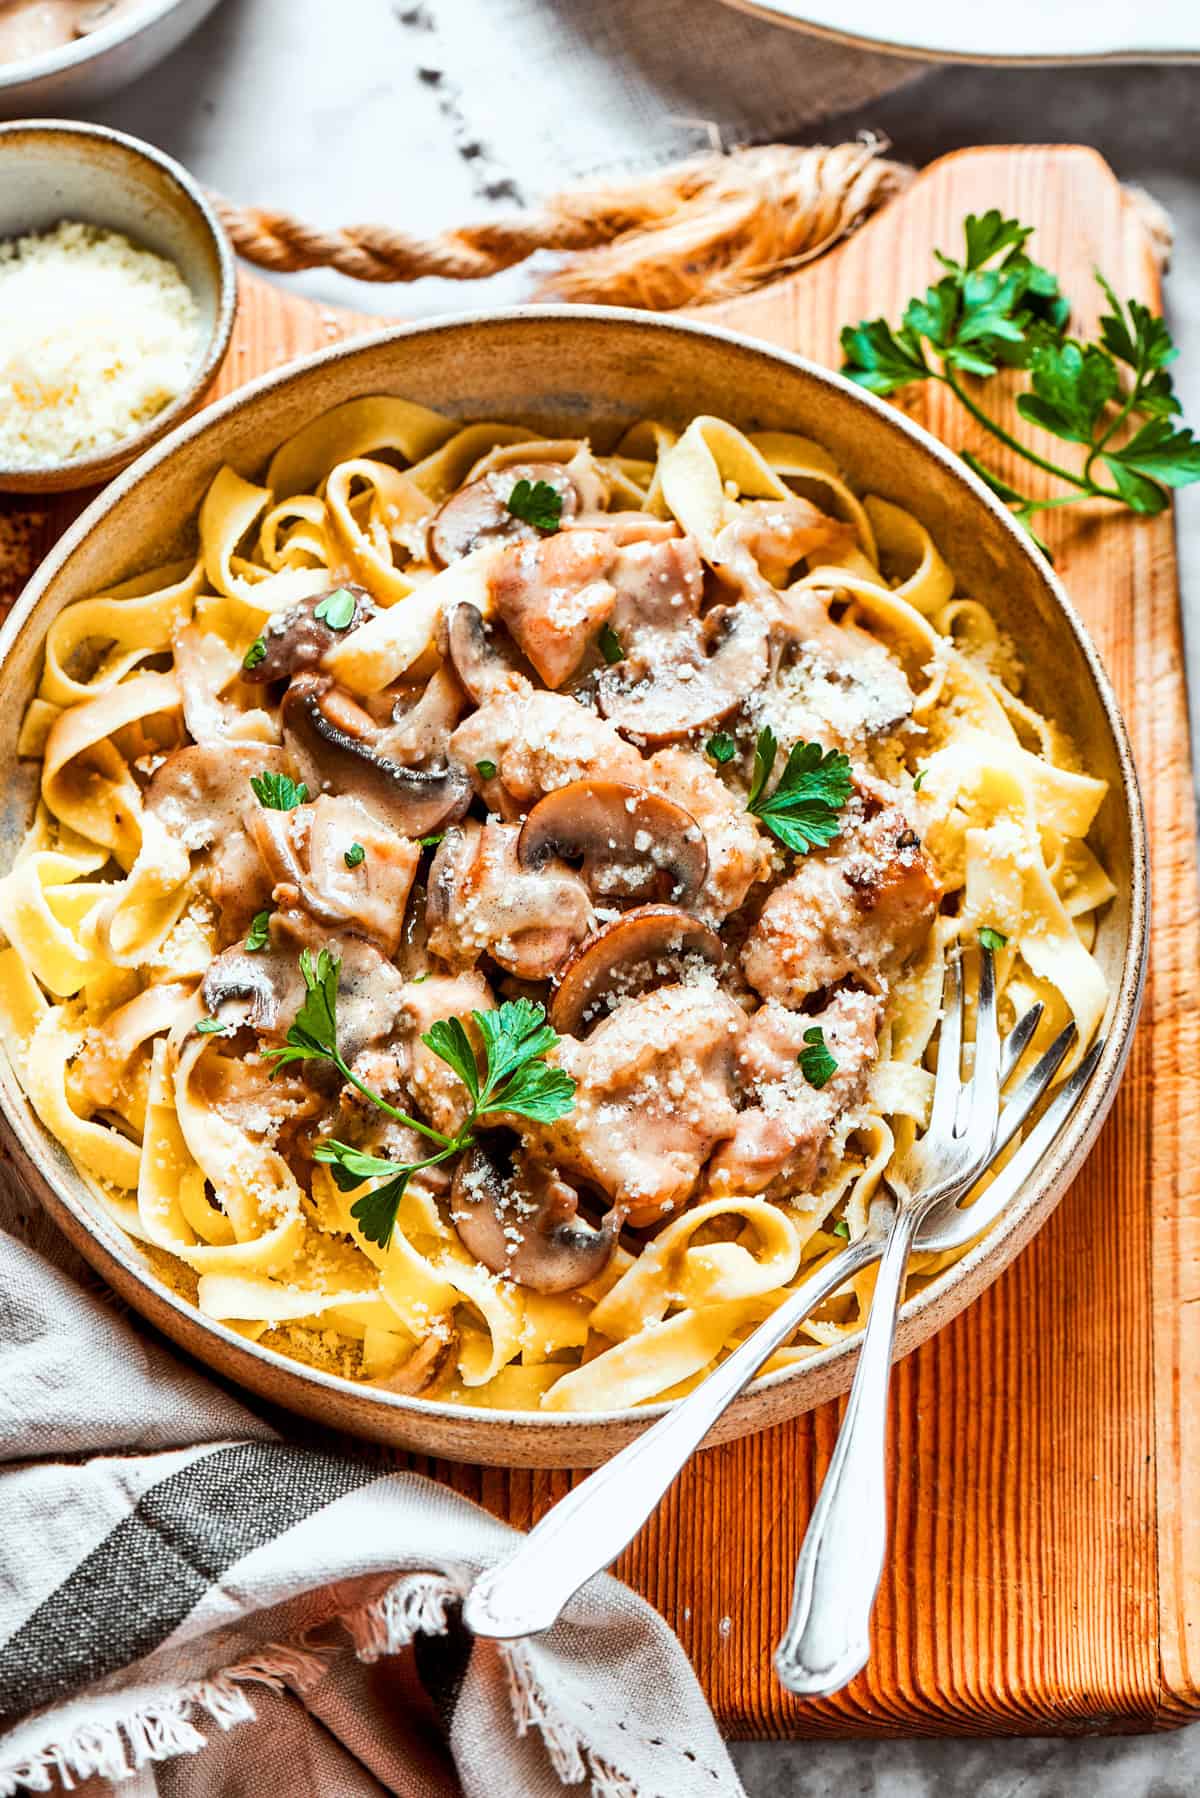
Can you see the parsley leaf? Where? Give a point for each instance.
(919, 779)
(1160, 450)
(611, 647)
(375, 1212)
(841, 1228)
(880, 359)
(721, 748)
(278, 792)
(433, 841)
(449, 1041)
(1072, 385)
(256, 653)
(256, 936)
(816, 1063)
(355, 856)
(212, 1027)
(992, 939)
(486, 770)
(803, 809)
(336, 609)
(537, 503)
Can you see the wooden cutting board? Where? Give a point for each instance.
(1045, 1448)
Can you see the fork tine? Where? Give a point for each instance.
(1033, 1086)
(947, 1083)
(1018, 1040)
(983, 1101)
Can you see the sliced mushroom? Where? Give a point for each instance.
(296, 638)
(471, 646)
(270, 988)
(425, 1367)
(660, 704)
(631, 844)
(627, 957)
(478, 513)
(526, 1224)
(201, 792)
(331, 741)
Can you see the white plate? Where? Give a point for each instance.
(1021, 31)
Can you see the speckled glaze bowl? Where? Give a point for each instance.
(54, 169)
(569, 370)
(79, 74)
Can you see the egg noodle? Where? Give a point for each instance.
(111, 930)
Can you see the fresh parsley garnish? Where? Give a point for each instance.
(212, 1027)
(721, 748)
(355, 856)
(278, 792)
(992, 939)
(256, 653)
(816, 1063)
(537, 503)
(515, 1080)
(842, 1228)
(611, 647)
(433, 841)
(485, 770)
(814, 786)
(997, 308)
(919, 779)
(256, 936)
(336, 609)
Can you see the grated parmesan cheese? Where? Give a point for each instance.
(96, 337)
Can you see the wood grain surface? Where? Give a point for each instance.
(1045, 1448)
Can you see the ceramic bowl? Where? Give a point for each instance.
(82, 73)
(52, 169)
(568, 370)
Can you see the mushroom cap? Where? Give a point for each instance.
(414, 801)
(632, 844)
(527, 1225)
(478, 513)
(200, 792)
(471, 647)
(636, 944)
(296, 638)
(685, 696)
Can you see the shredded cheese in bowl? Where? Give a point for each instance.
(97, 336)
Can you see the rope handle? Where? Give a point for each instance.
(699, 231)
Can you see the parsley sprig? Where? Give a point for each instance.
(803, 809)
(536, 503)
(516, 1080)
(817, 1063)
(997, 308)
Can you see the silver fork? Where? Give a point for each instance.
(586, 1530)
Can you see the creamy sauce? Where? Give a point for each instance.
(34, 27)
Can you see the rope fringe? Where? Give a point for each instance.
(702, 230)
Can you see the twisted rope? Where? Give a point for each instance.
(699, 231)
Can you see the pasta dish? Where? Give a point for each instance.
(483, 927)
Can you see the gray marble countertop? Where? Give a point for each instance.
(276, 101)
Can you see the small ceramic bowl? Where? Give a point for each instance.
(53, 169)
(97, 65)
(566, 371)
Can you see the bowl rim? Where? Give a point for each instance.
(81, 471)
(1056, 1166)
(69, 56)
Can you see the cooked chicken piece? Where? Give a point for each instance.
(553, 597)
(659, 586)
(437, 1090)
(656, 1081)
(539, 741)
(862, 907)
(769, 536)
(782, 1135)
(239, 883)
(738, 853)
(481, 898)
(306, 852)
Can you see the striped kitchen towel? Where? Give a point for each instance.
(190, 1604)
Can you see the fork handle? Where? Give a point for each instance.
(586, 1530)
(827, 1639)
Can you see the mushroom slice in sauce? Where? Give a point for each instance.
(332, 741)
(629, 955)
(425, 1367)
(478, 513)
(470, 645)
(660, 703)
(525, 1224)
(630, 843)
(268, 988)
(201, 792)
(296, 638)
